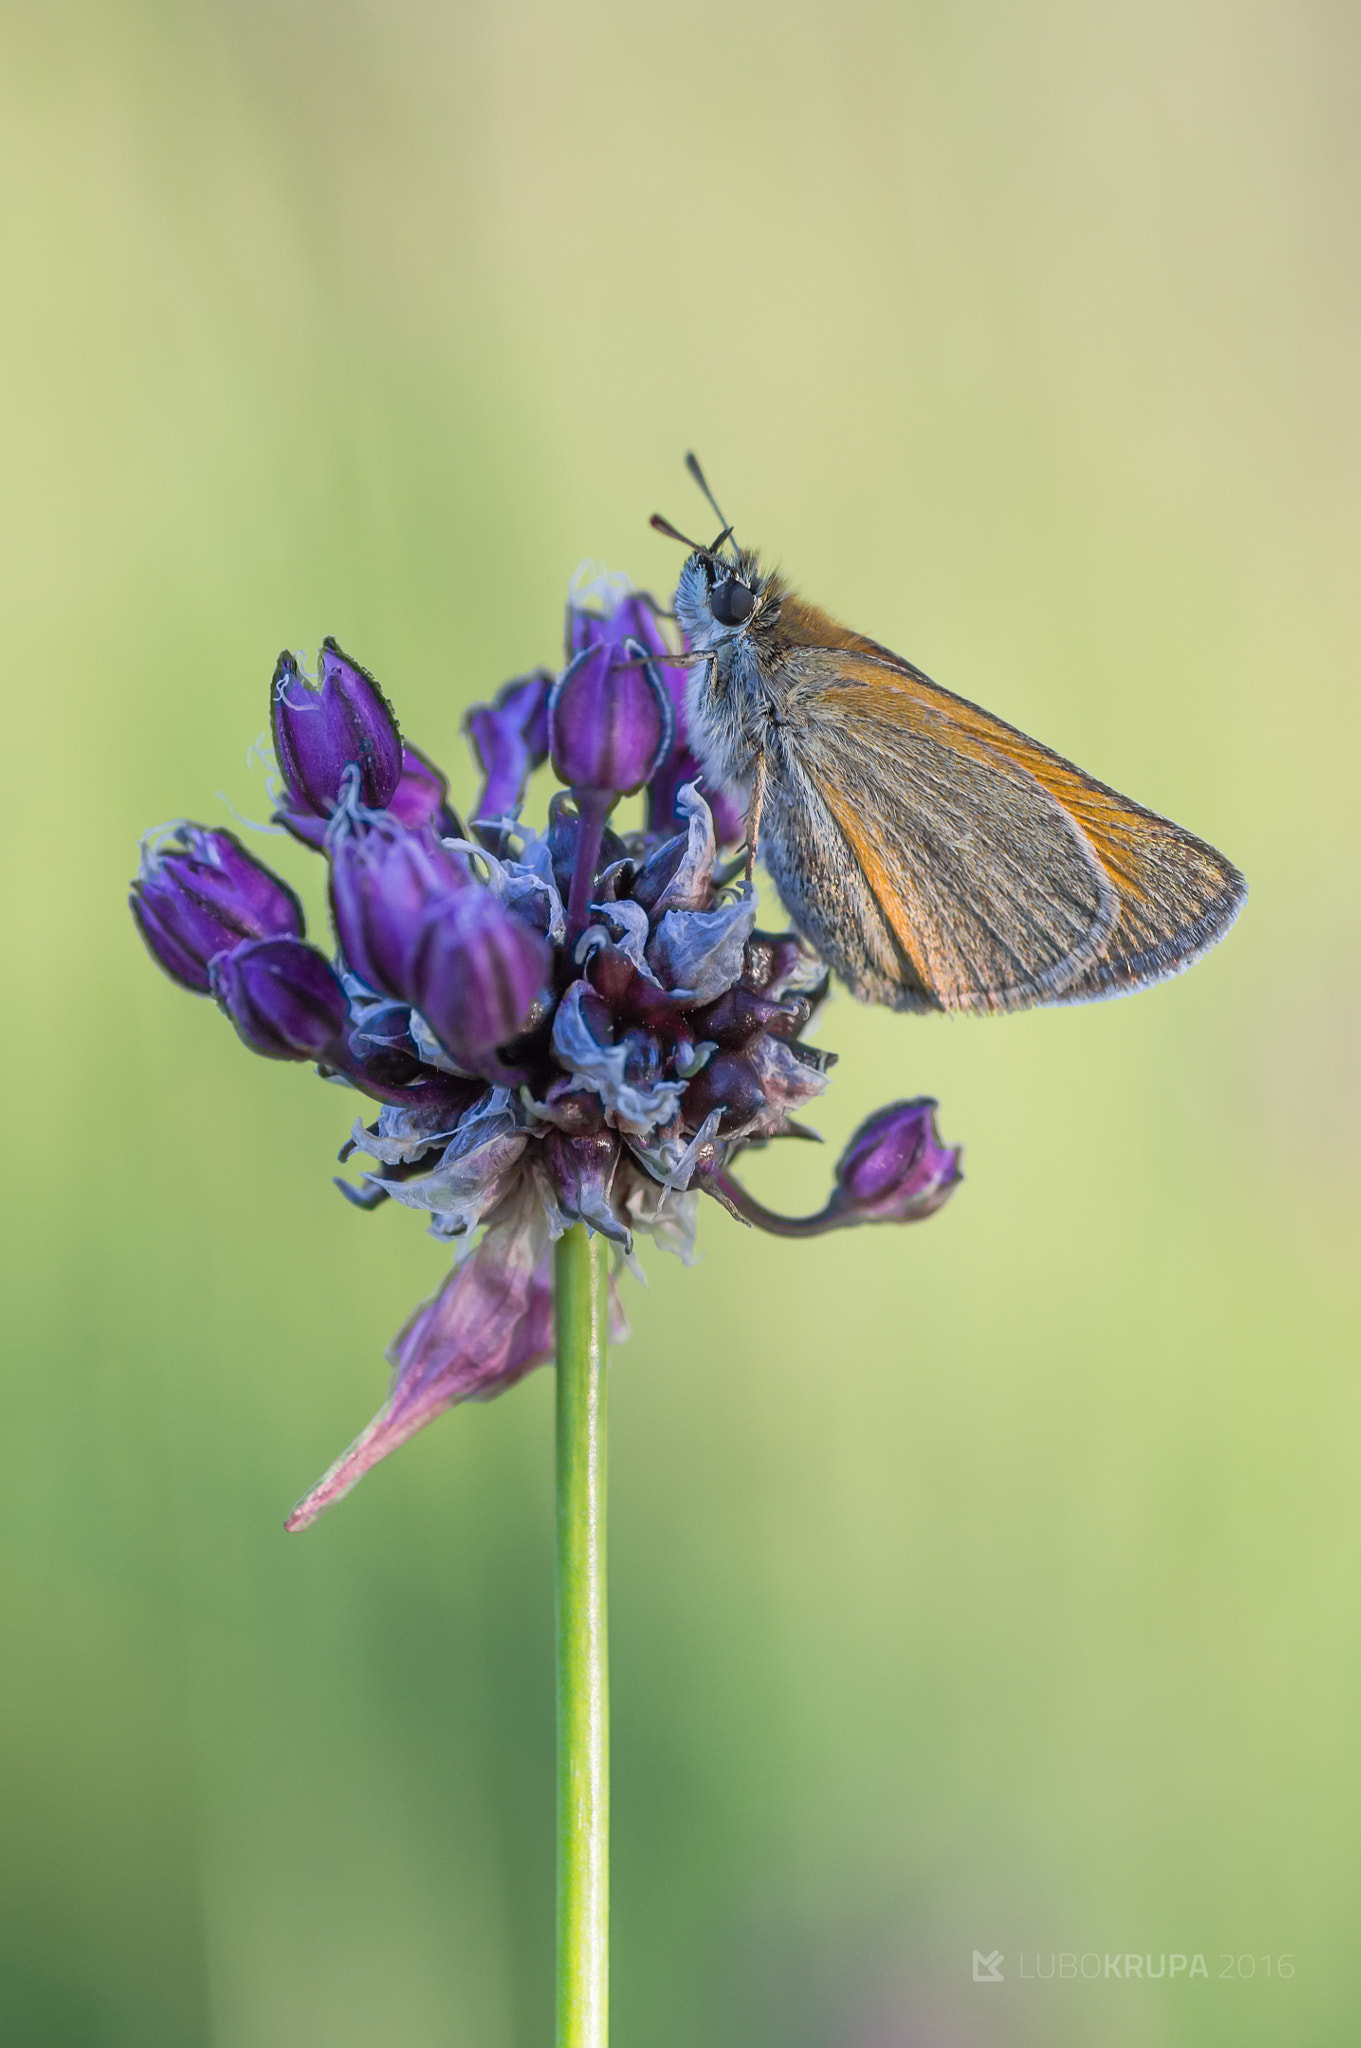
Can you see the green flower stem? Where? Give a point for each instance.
(583, 1670)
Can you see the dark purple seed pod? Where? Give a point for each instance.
(895, 1169)
(384, 882)
(644, 1060)
(633, 997)
(731, 1083)
(206, 894)
(609, 720)
(474, 972)
(574, 1111)
(406, 1082)
(769, 957)
(283, 997)
(380, 1056)
(659, 870)
(346, 722)
(739, 1014)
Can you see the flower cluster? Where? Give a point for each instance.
(555, 1026)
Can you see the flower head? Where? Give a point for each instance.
(552, 1027)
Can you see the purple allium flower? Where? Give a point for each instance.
(475, 971)
(346, 722)
(384, 879)
(202, 895)
(510, 739)
(895, 1168)
(283, 996)
(609, 720)
(558, 1026)
(604, 611)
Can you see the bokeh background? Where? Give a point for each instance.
(992, 1585)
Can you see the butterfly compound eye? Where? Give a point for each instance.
(731, 602)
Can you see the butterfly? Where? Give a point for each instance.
(934, 856)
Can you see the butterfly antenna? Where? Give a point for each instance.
(660, 525)
(692, 464)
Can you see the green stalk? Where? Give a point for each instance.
(583, 1670)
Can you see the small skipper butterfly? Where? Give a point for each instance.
(934, 856)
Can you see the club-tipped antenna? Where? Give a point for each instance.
(692, 464)
(660, 525)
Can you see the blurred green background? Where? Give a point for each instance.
(987, 1586)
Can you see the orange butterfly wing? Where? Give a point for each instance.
(974, 841)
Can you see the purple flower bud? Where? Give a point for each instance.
(634, 618)
(204, 896)
(609, 720)
(474, 972)
(895, 1168)
(283, 997)
(318, 734)
(524, 701)
(682, 766)
(383, 883)
(511, 740)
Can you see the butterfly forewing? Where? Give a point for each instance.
(1001, 875)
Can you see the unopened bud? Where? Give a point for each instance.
(203, 895)
(474, 972)
(609, 720)
(384, 881)
(895, 1169)
(283, 997)
(346, 722)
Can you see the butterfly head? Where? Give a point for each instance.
(721, 595)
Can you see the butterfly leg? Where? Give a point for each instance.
(758, 792)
